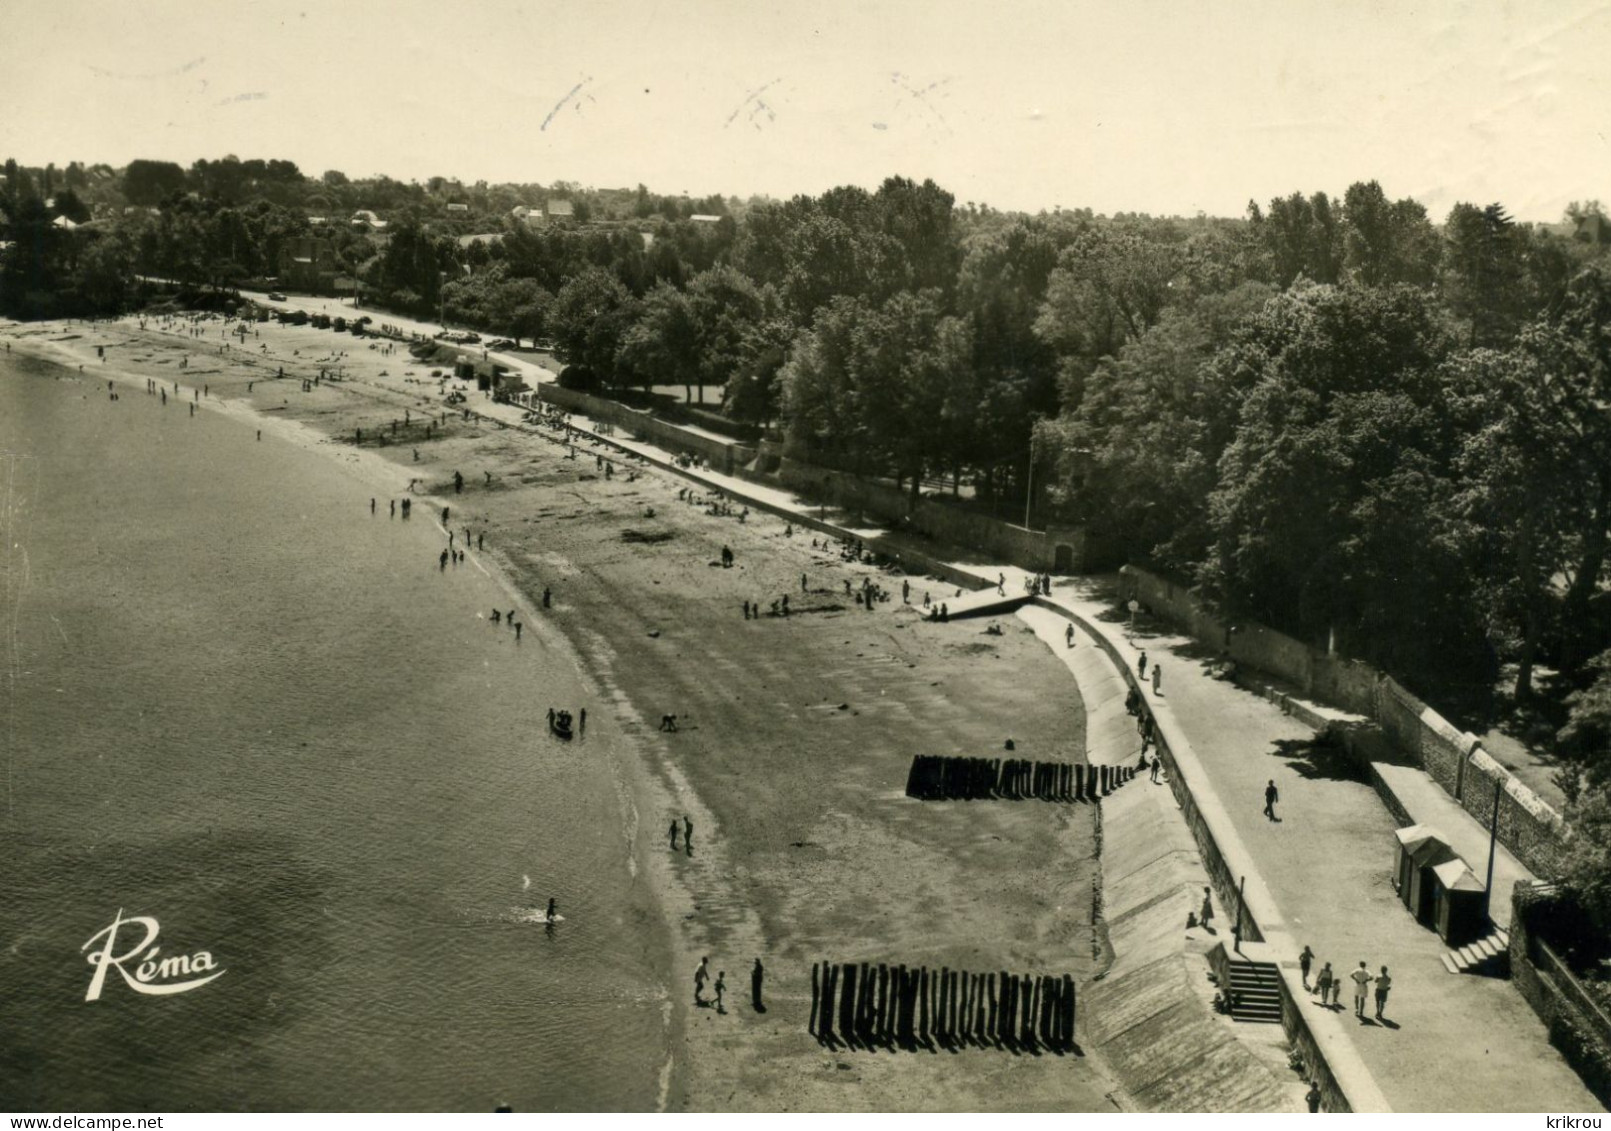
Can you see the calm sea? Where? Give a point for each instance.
(236, 704)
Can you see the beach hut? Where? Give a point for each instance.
(1420, 850)
(1461, 904)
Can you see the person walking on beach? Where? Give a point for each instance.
(687, 835)
(497, 616)
(480, 541)
(1271, 796)
(518, 627)
(552, 714)
(1305, 960)
(1362, 979)
(674, 828)
(701, 976)
(746, 610)
(906, 591)
(547, 597)
(553, 910)
(581, 721)
(721, 988)
(442, 561)
(1207, 912)
(1383, 984)
(758, 973)
(803, 588)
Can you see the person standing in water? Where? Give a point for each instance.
(553, 910)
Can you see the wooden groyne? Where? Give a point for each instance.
(865, 1006)
(937, 778)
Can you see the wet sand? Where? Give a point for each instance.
(794, 734)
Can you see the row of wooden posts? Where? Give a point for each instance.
(860, 1005)
(937, 778)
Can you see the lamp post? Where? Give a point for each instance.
(1029, 481)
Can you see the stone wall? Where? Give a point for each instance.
(955, 525)
(1528, 826)
(1576, 1026)
(722, 456)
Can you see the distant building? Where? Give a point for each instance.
(308, 264)
(366, 221)
(1591, 227)
(458, 208)
(705, 218)
(560, 210)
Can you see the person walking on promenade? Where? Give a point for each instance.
(394, 508)
(1271, 796)
(1305, 960)
(1383, 984)
(1208, 909)
(1068, 637)
(701, 976)
(518, 627)
(371, 504)
(1156, 766)
(1141, 666)
(1336, 991)
(758, 973)
(687, 835)
(1362, 979)
(721, 988)
(1157, 679)
(1323, 981)
(1312, 1098)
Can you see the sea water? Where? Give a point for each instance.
(240, 710)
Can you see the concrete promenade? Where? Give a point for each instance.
(1320, 875)
(1449, 1042)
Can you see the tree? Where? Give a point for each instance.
(1137, 456)
(590, 317)
(68, 204)
(1341, 452)
(1584, 743)
(1387, 242)
(662, 345)
(147, 182)
(1484, 273)
(1302, 237)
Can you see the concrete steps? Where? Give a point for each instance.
(1488, 955)
(1255, 992)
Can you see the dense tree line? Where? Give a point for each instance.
(1376, 432)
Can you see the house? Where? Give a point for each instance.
(458, 208)
(366, 221)
(308, 264)
(560, 210)
(705, 218)
(1593, 228)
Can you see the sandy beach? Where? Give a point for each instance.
(794, 733)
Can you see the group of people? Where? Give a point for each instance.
(1328, 985)
(702, 977)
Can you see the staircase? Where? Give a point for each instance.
(1256, 991)
(1489, 955)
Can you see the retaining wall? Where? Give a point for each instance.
(723, 456)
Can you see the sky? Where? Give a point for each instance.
(1137, 106)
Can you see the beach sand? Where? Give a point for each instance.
(794, 735)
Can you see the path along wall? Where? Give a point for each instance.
(1528, 826)
(1577, 1026)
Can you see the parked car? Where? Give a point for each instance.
(276, 296)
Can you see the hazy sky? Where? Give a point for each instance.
(1137, 106)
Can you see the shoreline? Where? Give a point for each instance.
(698, 908)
